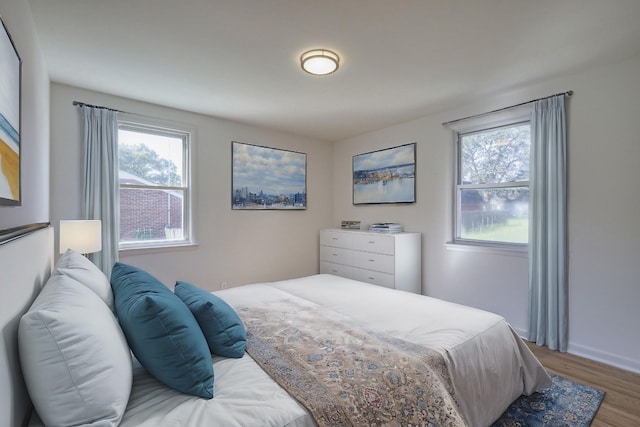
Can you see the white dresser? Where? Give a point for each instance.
(391, 260)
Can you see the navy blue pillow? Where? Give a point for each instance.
(220, 324)
(162, 332)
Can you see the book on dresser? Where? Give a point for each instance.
(386, 227)
(392, 260)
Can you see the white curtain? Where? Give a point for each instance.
(101, 186)
(548, 288)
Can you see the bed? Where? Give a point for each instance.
(487, 364)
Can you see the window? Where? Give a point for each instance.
(492, 185)
(154, 172)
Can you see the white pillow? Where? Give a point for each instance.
(75, 359)
(80, 268)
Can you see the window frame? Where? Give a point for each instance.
(474, 125)
(159, 127)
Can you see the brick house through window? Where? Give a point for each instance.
(147, 213)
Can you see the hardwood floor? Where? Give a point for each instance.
(621, 404)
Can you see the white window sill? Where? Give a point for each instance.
(516, 251)
(141, 250)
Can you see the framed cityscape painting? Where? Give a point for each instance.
(266, 178)
(10, 67)
(385, 176)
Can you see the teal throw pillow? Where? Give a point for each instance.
(220, 324)
(161, 331)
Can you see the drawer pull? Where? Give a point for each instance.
(334, 254)
(334, 238)
(372, 278)
(372, 260)
(372, 242)
(334, 271)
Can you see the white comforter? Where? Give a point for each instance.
(489, 365)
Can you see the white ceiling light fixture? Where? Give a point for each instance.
(319, 62)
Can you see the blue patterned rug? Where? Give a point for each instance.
(565, 404)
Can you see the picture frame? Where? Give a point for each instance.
(10, 121)
(265, 178)
(385, 176)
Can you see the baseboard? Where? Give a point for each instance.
(596, 355)
(522, 333)
(605, 357)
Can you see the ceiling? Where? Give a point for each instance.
(400, 59)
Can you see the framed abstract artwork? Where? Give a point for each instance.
(266, 178)
(10, 81)
(385, 176)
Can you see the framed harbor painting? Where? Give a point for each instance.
(10, 67)
(266, 178)
(385, 176)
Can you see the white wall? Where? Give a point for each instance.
(237, 247)
(604, 212)
(19, 285)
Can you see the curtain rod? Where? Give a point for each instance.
(81, 104)
(568, 93)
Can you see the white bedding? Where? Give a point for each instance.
(489, 365)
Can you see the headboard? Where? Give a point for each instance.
(26, 260)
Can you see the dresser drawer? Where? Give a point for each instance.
(335, 239)
(336, 269)
(391, 260)
(374, 261)
(336, 255)
(374, 243)
(374, 277)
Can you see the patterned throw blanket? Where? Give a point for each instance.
(346, 375)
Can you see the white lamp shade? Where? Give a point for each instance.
(84, 236)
